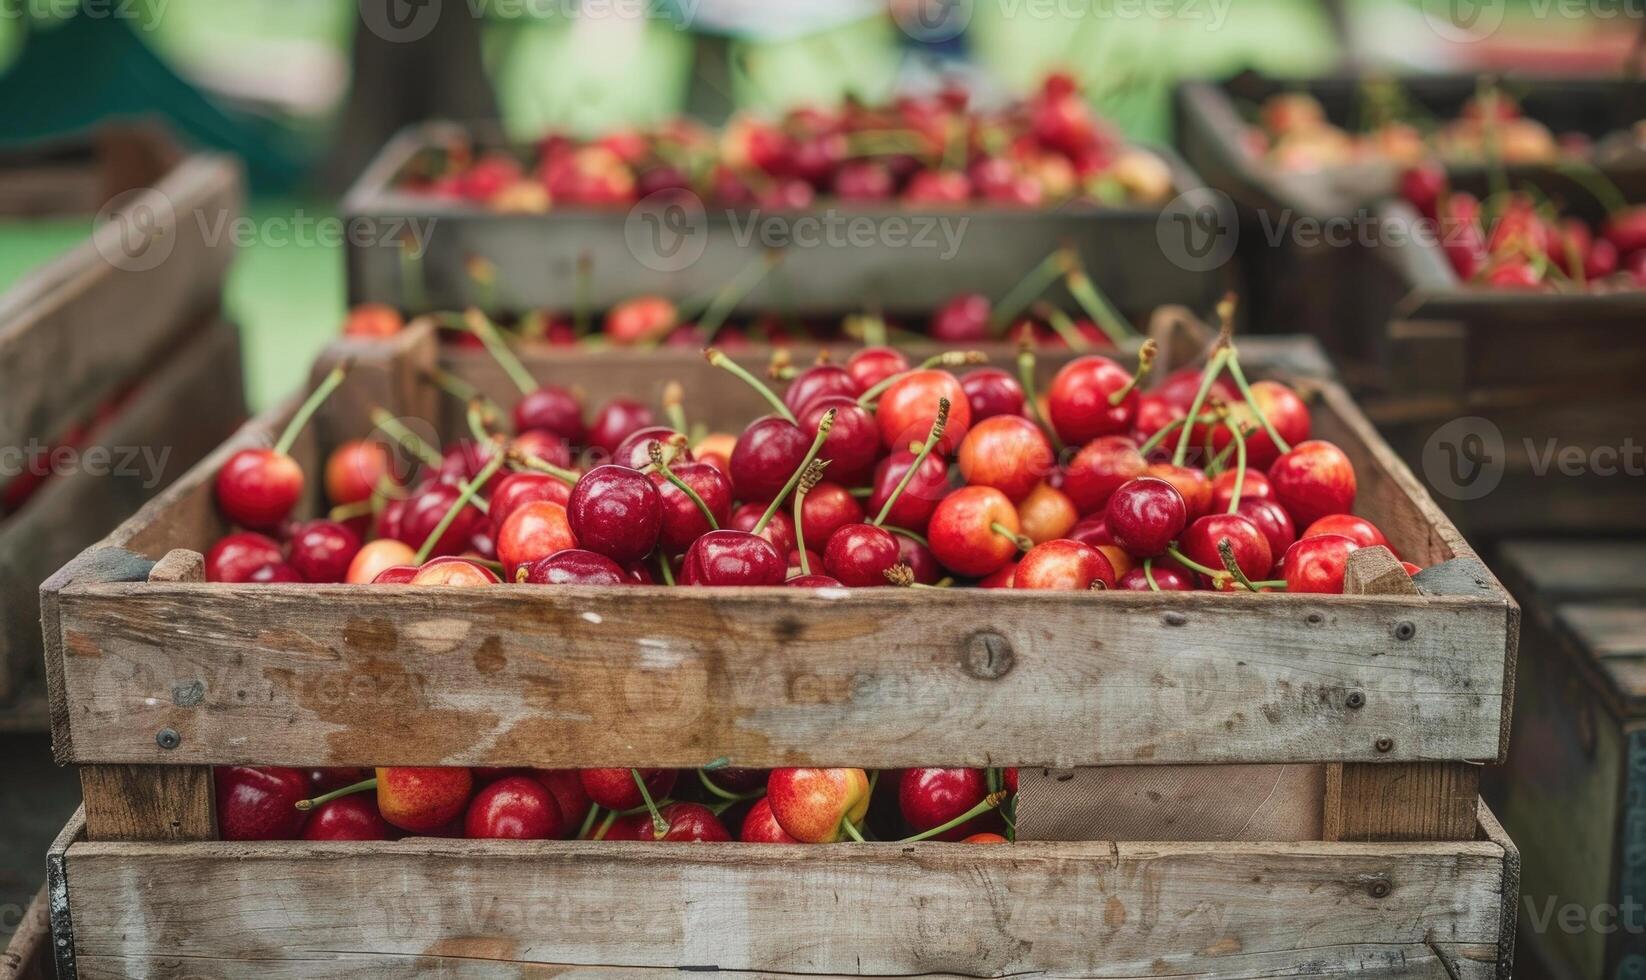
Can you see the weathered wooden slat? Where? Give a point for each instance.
(27, 955)
(1089, 910)
(1171, 803)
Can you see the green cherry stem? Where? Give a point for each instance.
(1098, 307)
(1214, 367)
(938, 425)
(667, 569)
(408, 440)
(1022, 541)
(808, 480)
(605, 825)
(539, 465)
(1193, 565)
(588, 822)
(904, 532)
(824, 424)
(1251, 400)
(1145, 363)
(725, 794)
(1240, 466)
(674, 396)
(655, 449)
(481, 326)
(1148, 575)
(464, 497)
(953, 358)
(725, 363)
(659, 825)
(311, 405)
(324, 798)
(1028, 289)
(851, 830)
(988, 803)
(1031, 397)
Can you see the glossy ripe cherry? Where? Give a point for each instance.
(914, 506)
(922, 563)
(1255, 486)
(543, 446)
(574, 566)
(827, 508)
(1191, 483)
(322, 550)
(818, 381)
(422, 800)
(1167, 578)
(962, 320)
(1145, 515)
(551, 409)
(354, 469)
(687, 823)
(909, 405)
(732, 558)
(453, 571)
(236, 556)
(767, 454)
(535, 530)
(275, 574)
(991, 392)
(258, 488)
(1099, 469)
(614, 422)
(428, 507)
(1312, 481)
(760, 827)
(1251, 546)
(683, 520)
(259, 803)
(519, 489)
(1285, 411)
(513, 808)
(353, 818)
(871, 365)
(859, 555)
(1271, 519)
(1046, 514)
(616, 511)
(1077, 402)
(1009, 453)
(812, 804)
(930, 798)
(973, 532)
(635, 451)
(615, 789)
(1357, 529)
(569, 795)
(1317, 564)
(1065, 566)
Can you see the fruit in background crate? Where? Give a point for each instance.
(259, 803)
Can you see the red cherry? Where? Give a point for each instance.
(767, 454)
(1145, 515)
(277, 573)
(518, 489)
(863, 182)
(962, 320)
(816, 382)
(615, 421)
(259, 803)
(991, 392)
(635, 451)
(930, 798)
(1317, 564)
(1009, 453)
(683, 520)
(569, 795)
(617, 512)
(353, 817)
(1251, 546)
(425, 511)
(760, 827)
(1167, 578)
(963, 535)
(1063, 565)
(640, 320)
(455, 572)
(827, 508)
(574, 566)
(235, 557)
(852, 445)
(258, 488)
(1314, 480)
(913, 508)
(728, 558)
(908, 407)
(396, 575)
(1255, 486)
(614, 789)
(859, 555)
(535, 530)
(1191, 483)
(1357, 529)
(778, 532)
(551, 409)
(1099, 469)
(1077, 402)
(1272, 520)
(513, 808)
(354, 469)
(938, 188)
(872, 365)
(321, 550)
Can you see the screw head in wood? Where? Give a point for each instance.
(167, 738)
(1379, 889)
(1385, 744)
(1405, 630)
(1355, 700)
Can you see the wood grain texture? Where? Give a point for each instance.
(1612, 638)
(485, 908)
(27, 955)
(129, 803)
(1171, 803)
(515, 675)
(186, 407)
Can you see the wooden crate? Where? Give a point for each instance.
(1373, 710)
(28, 954)
(1574, 789)
(85, 331)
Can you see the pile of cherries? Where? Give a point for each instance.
(1294, 134)
(37, 469)
(1518, 240)
(870, 473)
(780, 806)
(1019, 317)
(923, 151)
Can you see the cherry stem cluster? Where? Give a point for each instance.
(932, 438)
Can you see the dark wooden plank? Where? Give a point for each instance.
(1613, 639)
(1576, 569)
(27, 955)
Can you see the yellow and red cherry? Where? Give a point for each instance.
(1312, 481)
(1007, 452)
(814, 806)
(1065, 566)
(375, 557)
(909, 406)
(760, 827)
(452, 571)
(535, 530)
(518, 489)
(354, 470)
(974, 531)
(1254, 486)
(1191, 483)
(1046, 514)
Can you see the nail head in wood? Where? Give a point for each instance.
(1175, 619)
(988, 656)
(1385, 744)
(1356, 700)
(1405, 630)
(167, 738)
